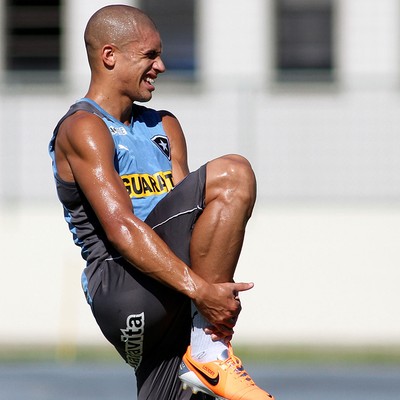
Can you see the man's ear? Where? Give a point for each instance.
(108, 55)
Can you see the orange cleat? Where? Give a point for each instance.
(224, 379)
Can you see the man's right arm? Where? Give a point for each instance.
(85, 154)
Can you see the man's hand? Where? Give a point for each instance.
(219, 303)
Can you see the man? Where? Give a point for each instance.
(141, 220)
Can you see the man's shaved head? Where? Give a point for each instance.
(114, 24)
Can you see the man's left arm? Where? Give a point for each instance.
(178, 148)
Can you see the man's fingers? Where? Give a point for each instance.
(219, 332)
(242, 286)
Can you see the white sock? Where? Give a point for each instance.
(204, 349)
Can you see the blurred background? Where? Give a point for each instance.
(307, 90)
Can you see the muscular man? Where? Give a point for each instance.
(157, 239)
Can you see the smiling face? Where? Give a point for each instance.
(138, 64)
(124, 52)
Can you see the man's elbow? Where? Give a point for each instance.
(121, 236)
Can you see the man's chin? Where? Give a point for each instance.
(145, 99)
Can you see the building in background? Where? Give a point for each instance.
(308, 90)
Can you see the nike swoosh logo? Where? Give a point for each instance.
(211, 381)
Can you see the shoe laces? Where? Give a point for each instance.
(234, 364)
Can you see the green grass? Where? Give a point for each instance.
(321, 354)
(62, 353)
(267, 354)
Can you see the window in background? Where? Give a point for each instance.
(304, 40)
(33, 40)
(175, 19)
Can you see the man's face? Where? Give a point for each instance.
(139, 64)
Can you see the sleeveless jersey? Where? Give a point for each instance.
(142, 159)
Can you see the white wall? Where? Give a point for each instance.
(230, 34)
(368, 43)
(322, 274)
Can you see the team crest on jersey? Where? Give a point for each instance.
(163, 144)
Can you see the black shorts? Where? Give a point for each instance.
(147, 322)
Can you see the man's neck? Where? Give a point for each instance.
(119, 108)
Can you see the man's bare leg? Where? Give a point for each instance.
(218, 236)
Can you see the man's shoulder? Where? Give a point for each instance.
(146, 114)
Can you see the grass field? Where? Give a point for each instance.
(256, 354)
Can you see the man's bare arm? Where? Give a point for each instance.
(177, 141)
(85, 154)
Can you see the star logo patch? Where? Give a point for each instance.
(163, 144)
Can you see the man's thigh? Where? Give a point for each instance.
(148, 324)
(175, 215)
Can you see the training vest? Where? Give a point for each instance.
(143, 161)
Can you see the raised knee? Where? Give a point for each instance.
(240, 171)
(233, 179)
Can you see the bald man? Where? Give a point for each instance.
(160, 244)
